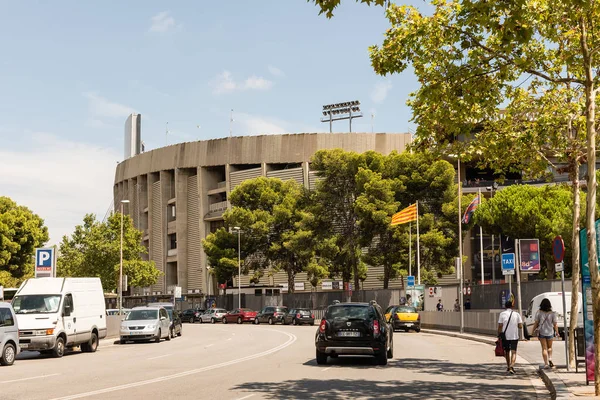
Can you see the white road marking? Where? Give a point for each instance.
(327, 369)
(209, 345)
(154, 358)
(28, 379)
(245, 397)
(291, 339)
(229, 339)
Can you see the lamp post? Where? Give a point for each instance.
(238, 229)
(121, 262)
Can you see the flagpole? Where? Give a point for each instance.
(460, 254)
(418, 252)
(481, 245)
(410, 249)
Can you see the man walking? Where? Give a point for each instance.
(509, 324)
(439, 306)
(456, 305)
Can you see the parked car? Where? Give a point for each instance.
(239, 315)
(403, 317)
(270, 315)
(354, 329)
(146, 323)
(191, 315)
(213, 315)
(175, 328)
(557, 306)
(9, 335)
(55, 314)
(299, 316)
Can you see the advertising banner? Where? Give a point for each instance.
(415, 297)
(530, 255)
(298, 286)
(588, 317)
(327, 285)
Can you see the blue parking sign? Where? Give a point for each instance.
(410, 281)
(508, 263)
(45, 262)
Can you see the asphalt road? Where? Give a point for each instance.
(266, 362)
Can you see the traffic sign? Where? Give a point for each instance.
(469, 290)
(410, 281)
(558, 249)
(559, 267)
(45, 263)
(508, 264)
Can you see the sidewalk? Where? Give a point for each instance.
(560, 383)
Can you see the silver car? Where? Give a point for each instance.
(213, 315)
(9, 335)
(145, 323)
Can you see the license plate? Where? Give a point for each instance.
(349, 334)
(24, 345)
(135, 333)
(409, 324)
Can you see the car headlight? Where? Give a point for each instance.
(43, 332)
(151, 327)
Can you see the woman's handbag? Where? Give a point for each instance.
(499, 350)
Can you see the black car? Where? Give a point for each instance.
(354, 329)
(299, 316)
(270, 314)
(176, 327)
(191, 315)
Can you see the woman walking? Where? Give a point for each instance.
(546, 326)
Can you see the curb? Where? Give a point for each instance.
(555, 385)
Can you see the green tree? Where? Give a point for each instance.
(21, 231)
(94, 250)
(524, 211)
(221, 248)
(273, 215)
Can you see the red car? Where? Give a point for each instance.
(239, 315)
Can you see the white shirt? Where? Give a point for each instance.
(512, 332)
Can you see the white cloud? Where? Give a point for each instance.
(257, 82)
(101, 107)
(163, 22)
(59, 180)
(224, 83)
(248, 124)
(380, 91)
(275, 71)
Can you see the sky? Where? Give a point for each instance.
(72, 71)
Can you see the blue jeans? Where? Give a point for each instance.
(545, 337)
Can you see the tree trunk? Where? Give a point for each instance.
(291, 279)
(574, 258)
(386, 276)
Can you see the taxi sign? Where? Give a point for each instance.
(508, 264)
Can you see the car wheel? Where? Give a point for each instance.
(213, 321)
(192, 320)
(312, 323)
(224, 320)
(169, 336)
(283, 321)
(92, 345)
(321, 358)
(59, 348)
(390, 352)
(417, 330)
(381, 358)
(239, 320)
(122, 341)
(180, 331)
(8, 354)
(271, 322)
(157, 339)
(256, 321)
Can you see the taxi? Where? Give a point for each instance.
(403, 317)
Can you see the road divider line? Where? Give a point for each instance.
(28, 379)
(154, 358)
(327, 369)
(291, 339)
(245, 397)
(209, 345)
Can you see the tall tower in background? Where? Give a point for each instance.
(133, 135)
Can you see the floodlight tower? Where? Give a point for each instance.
(340, 111)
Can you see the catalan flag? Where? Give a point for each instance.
(407, 215)
(471, 209)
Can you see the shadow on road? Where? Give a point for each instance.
(457, 381)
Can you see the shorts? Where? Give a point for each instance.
(550, 337)
(510, 345)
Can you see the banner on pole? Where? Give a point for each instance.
(530, 255)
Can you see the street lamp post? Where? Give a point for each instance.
(121, 262)
(238, 229)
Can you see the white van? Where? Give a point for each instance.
(59, 313)
(557, 306)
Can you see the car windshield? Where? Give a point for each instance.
(36, 303)
(281, 309)
(406, 309)
(138, 315)
(348, 312)
(303, 312)
(220, 310)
